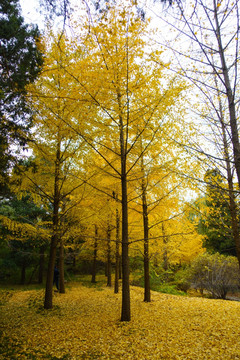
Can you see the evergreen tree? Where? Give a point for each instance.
(217, 223)
(20, 63)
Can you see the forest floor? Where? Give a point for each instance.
(85, 324)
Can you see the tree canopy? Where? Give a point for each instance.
(20, 60)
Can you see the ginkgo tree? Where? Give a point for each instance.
(128, 94)
(56, 149)
(103, 92)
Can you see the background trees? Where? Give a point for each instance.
(210, 61)
(21, 60)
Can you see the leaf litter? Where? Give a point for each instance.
(85, 324)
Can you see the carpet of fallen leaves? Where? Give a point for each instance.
(84, 324)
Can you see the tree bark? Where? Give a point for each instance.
(165, 253)
(54, 239)
(61, 268)
(109, 264)
(126, 313)
(94, 268)
(230, 96)
(232, 198)
(116, 282)
(147, 291)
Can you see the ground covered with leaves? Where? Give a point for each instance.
(84, 324)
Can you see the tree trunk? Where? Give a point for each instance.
(165, 253)
(109, 265)
(94, 268)
(61, 269)
(147, 292)
(232, 198)
(126, 314)
(50, 272)
(230, 97)
(54, 239)
(120, 267)
(116, 285)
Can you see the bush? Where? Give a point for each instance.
(215, 273)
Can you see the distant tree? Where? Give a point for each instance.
(20, 63)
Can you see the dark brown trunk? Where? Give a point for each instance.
(120, 267)
(231, 193)
(116, 282)
(230, 97)
(232, 198)
(50, 272)
(94, 268)
(165, 253)
(54, 239)
(147, 292)
(126, 314)
(109, 264)
(61, 269)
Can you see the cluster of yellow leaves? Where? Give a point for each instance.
(85, 325)
(23, 230)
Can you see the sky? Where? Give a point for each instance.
(31, 13)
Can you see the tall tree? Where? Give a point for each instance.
(55, 148)
(211, 28)
(123, 85)
(20, 61)
(217, 221)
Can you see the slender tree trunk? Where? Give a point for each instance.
(165, 253)
(41, 265)
(61, 268)
(232, 199)
(54, 239)
(126, 313)
(120, 267)
(94, 268)
(116, 283)
(50, 272)
(109, 264)
(230, 96)
(147, 292)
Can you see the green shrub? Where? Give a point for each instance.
(215, 273)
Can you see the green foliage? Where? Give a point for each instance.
(20, 63)
(20, 249)
(215, 273)
(160, 280)
(214, 217)
(218, 221)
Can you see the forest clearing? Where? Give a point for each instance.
(85, 324)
